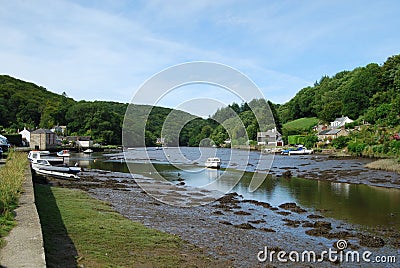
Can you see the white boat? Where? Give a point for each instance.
(88, 151)
(44, 167)
(213, 162)
(34, 155)
(63, 153)
(300, 151)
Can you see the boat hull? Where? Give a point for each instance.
(53, 173)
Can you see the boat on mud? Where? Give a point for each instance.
(45, 168)
(213, 162)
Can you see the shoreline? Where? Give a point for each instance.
(231, 228)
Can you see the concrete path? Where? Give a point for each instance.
(25, 242)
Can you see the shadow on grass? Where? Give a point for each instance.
(59, 249)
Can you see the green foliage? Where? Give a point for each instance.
(340, 142)
(310, 140)
(14, 139)
(296, 139)
(12, 176)
(371, 92)
(356, 147)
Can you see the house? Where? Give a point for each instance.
(43, 139)
(340, 122)
(330, 134)
(59, 129)
(160, 141)
(270, 137)
(80, 141)
(26, 136)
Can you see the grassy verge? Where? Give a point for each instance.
(80, 230)
(12, 175)
(390, 164)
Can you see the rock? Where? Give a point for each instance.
(371, 241)
(287, 174)
(322, 224)
(245, 226)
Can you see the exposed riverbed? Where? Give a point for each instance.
(283, 213)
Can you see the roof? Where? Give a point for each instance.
(78, 138)
(271, 133)
(42, 131)
(340, 119)
(329, 132)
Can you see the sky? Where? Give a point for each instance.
(107, 49)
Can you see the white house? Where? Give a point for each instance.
(269, 137)
(340, 122)
(80, 141)
(26, 136)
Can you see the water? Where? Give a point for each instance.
(366, 205)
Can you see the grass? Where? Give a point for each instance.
(79, 230)
(390, 164)
(12, 175)
(301, 124)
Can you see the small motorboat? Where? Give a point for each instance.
(213, 162)
(88, 151)
(34, 155)
(300, 151)
(63, 153)
(45, 168)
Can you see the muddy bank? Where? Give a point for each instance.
(343, 169)
(231, 228)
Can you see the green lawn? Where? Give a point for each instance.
(81, 230)
(301, 123)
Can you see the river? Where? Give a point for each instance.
(336, 188)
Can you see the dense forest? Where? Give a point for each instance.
(370, 93)
(366, 94)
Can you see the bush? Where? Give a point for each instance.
(356, 147)
(340, 142)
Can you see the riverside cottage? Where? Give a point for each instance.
(270, 137)
(43, 139)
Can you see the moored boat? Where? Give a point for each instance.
(88, 151)
(213, 162)
(63, 153)
(300, 151)
(44, 167)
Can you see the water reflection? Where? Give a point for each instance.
(359, 204)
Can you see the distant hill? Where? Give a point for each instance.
(24, 104)
(370, 93)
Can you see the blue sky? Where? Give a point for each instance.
(104, 50)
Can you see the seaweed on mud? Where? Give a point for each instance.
(225, 222)
(307, 224)
(323, 224)
(229, 198)
(269, 230)
(241, 212)
(245, 226)
(314, 216)
(370, 241)
(257, 221)
(292, 223)
(292, 207)
(317, 232)
(284, 213)
(218, 212)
